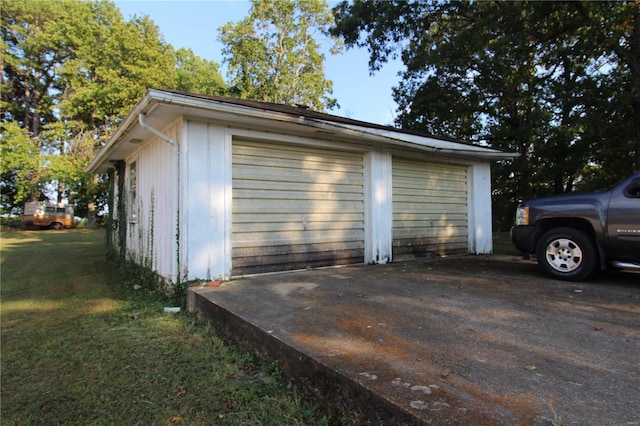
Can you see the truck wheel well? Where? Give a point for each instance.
(581, 224)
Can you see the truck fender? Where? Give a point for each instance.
(601, 255)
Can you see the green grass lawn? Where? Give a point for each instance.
(80, 346)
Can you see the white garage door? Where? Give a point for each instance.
(295, 207)
(429, 209)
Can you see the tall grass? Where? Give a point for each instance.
(80, 346)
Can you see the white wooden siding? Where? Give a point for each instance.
(429, 209)
(115, 231)
(295, 207)
(151, 236)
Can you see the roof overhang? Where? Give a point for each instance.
(162, 108)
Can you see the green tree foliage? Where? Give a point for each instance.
(198, 75)
(31, 51)
(556, 82)
(19, 164)
(71, 71)
(114, 62)
(274, 56)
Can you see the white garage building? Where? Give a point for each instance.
(208, 187)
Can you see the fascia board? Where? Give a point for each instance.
(130, 121)
(389, 137)
(414, 142)
(385, 137)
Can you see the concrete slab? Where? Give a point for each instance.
(459, 340)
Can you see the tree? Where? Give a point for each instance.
(114, 63)
(31, 51)
(542, 79)
(71, 71)
(19, 166)
(198, 75)
(615, 34)
(273, 55)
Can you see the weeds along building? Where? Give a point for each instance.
(208, 187)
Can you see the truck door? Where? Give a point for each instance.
(624, 221)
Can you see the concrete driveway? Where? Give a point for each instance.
(457, 340)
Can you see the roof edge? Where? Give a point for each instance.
(296, 115)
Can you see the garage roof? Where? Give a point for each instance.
(161, 107)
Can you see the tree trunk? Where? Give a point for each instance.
(60, 192)
(91, 215)
(91, 208)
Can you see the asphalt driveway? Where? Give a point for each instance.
(458, 340)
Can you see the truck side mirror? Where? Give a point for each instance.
(633, 189)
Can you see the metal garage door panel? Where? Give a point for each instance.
(295, 207)
(429, 209)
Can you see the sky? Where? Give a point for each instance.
(194, 25)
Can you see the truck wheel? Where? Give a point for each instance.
(567, 254)
(55, 225)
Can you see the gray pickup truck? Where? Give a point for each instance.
(575, 235)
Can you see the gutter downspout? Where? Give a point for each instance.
(176, 196)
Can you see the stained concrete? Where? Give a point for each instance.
(460, 340)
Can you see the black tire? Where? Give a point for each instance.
(55, 225)
(567, 254)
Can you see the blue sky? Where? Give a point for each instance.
(194, 24)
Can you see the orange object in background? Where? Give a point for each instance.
(47, 215)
